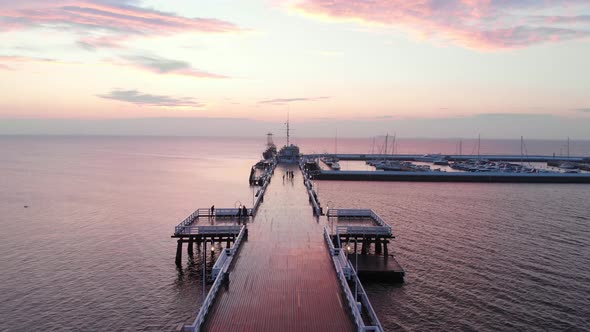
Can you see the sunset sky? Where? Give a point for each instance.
(422, 68)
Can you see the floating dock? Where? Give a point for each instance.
(280, 269)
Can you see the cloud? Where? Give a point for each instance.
(168, 66)
(92, 43)
(476, 24)
(279, 101)
(123, 19)
(19, 59)
(144, 99)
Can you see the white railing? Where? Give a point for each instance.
(343, 266)
(196, 325)
(196, 230)
(221, 261)
(189, 220)
(186, 226)
(317, 208)
(364, 299)
(260, 194)
(219, 269)
(338, 255)
(365, 230)
(382, 228)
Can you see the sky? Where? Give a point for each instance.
(419, 68)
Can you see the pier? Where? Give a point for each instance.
(282, 269)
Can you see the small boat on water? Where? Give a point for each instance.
(429, 157)
(335, 166)
(441, 162)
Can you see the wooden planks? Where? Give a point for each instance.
(283, 279)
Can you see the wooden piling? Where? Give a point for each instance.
(179, 252)
(378, 242)
(190, 246)
(366, 247)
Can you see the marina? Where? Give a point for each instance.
(449, 168)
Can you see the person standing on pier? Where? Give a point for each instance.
(244, 211)
(212, 210)
(239, 211)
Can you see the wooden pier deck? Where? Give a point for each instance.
(283, 278)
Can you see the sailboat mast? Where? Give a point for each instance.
(386, 140)
(336, 142)
(521, 150)
(568, 146)
(393, 144)
(478, 145)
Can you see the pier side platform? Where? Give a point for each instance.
(354, 228)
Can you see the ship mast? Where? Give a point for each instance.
(287, 129)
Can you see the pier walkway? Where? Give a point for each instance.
(283, 278)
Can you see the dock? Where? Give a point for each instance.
(452, 176)
(280, 269)
(451, 157)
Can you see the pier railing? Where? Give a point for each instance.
(221, 266)
(313, 197)
(345, 271)
(382, 228)
(206, 229)
(222, 260)
(262, 190)
(187, 227)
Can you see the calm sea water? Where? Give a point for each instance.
(93, 249)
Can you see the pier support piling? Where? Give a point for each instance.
(366, 247)
(199, 243)
(189, 248)
(179, 252)
(378, 242)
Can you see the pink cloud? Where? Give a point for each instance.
(161, 65)
(121, 19)
(478, 24)
(92, 43)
